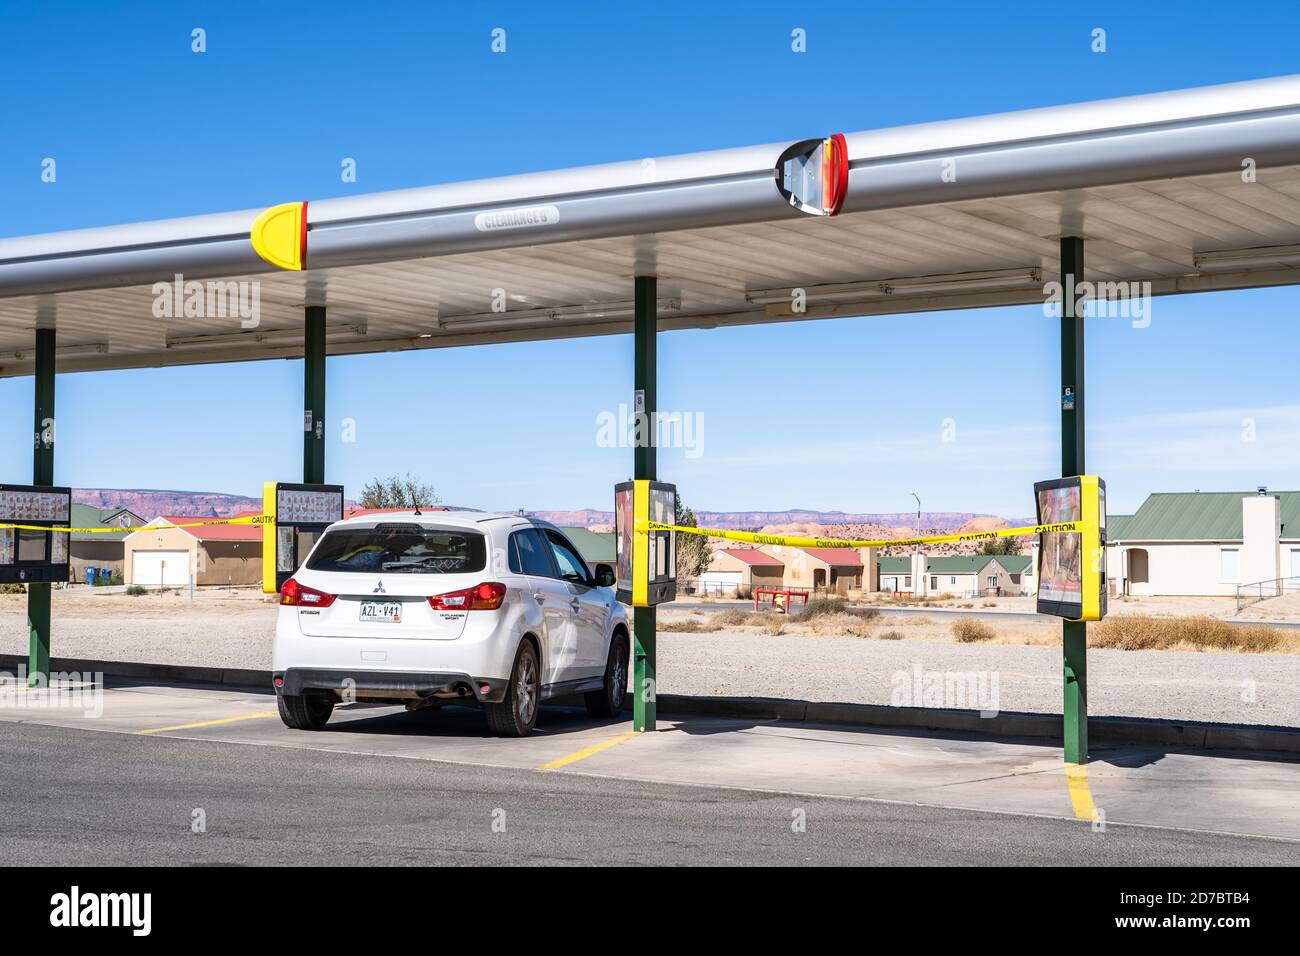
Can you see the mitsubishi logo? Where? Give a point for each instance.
(379, 588)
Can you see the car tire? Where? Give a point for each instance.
(608, 701)
(305, 711)
(516, 714)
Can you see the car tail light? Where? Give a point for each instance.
(482, 597)
(299, 595)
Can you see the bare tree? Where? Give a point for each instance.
(395, 492)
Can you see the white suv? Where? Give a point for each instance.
(495, 610)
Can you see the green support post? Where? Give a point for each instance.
(644, 372)
(1074, 634)
(313, 416)
(38, 595)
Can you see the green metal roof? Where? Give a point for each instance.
(88, 516)
(594, 546)
(1117, 526)
(1014, 563)
(1197, 516)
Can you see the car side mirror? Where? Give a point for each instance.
(604, 576)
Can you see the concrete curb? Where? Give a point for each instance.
(1118, 730)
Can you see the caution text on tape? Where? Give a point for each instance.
(242, 519)
(795, 541)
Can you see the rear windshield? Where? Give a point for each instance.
(400, 550)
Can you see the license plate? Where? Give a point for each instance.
(388, 612)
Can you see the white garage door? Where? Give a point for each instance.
(153, 569)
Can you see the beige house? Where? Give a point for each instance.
(741, 569)
(832, 570)
(1206, 543)
(161, 555)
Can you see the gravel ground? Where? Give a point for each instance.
(235, 630)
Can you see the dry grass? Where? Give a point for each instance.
(739, 617)
(833, 607)
(899, 599)
(688, 625)
(1140, 632)
(968, 630)
(834, 617)
(839, 623)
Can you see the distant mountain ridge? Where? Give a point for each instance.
(936, 520)
(150, 503)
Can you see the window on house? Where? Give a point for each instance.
(991, 580)
(934, 582)
(1015, 579)
(1229, 566)
(907, 581)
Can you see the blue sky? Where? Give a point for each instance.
(143, 128)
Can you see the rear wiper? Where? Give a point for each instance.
(417, 565)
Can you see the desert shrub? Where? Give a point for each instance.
(890, 635)
(13, 588)
(969, 630)
(135, 590)
(774, 627)
(819, 607)
(1141, 632)
(688, 625)
(735, 617)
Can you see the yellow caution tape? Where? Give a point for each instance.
(795, 541)
(242, 519)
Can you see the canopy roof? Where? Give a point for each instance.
(1192, 190)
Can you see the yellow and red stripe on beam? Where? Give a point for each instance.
(279, 236)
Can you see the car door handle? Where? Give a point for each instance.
(576, 605)
(539, 596)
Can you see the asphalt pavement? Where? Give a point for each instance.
(83, 797)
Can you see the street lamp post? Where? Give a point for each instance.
(918, 519)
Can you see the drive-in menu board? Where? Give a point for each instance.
(1072, 547)
(308, 506)
(19, 505)
(32, 554)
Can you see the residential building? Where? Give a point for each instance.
(1204, 543)
(159, 554)
(741, 569)
(102, 549)
(960, 575)
(832, 570)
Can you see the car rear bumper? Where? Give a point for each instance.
(390, 685)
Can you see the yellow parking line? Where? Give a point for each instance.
(1080, 794)
(586, 752)
(211, 723)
